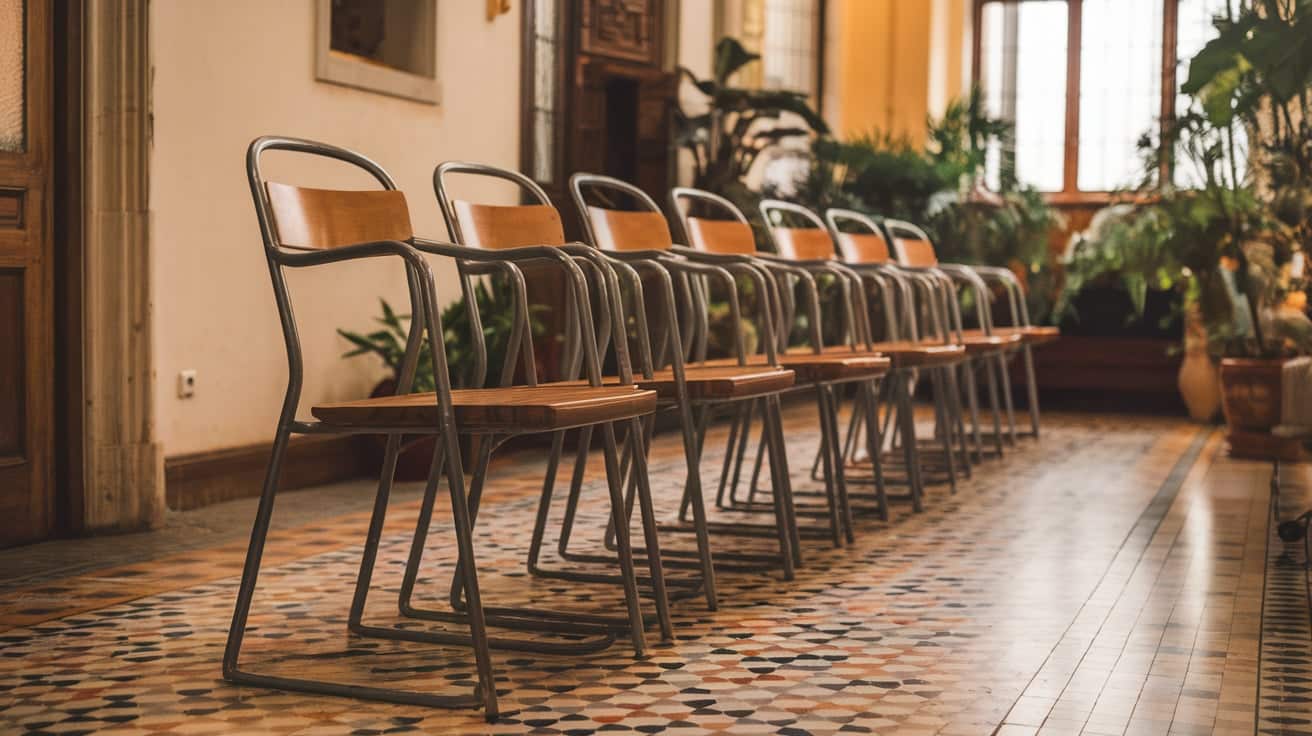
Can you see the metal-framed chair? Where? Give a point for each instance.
(915, 250)
(862, 240)
(306, 227)
(730, 239)
(640, 236)
(1017, 324)
(802, 236)
(496, 237)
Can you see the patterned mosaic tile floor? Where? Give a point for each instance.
(1118, 576)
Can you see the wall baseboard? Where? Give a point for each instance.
(204, 478)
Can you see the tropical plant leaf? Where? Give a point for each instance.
(1217, 55)
(730, 56)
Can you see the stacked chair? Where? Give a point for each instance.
(878, 316)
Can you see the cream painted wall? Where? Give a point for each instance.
(226, 71)
(894, 62)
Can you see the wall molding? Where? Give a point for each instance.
(213, 476)
(122, 462)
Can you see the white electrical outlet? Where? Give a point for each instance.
(187, 384)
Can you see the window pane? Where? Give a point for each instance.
(1195, 29)
(12, 107)
(1120, 89)
(1023, 54)
(788, 49)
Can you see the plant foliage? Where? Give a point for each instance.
(495, 299)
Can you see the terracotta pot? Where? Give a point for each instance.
(1199, 380)
(1250, 388)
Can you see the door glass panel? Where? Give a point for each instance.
(12, 103)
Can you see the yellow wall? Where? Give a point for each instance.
(227, 71)
(893, 62)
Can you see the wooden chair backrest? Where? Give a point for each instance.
(864, 248)
(803, 243)
(627, 230)
(320, 219)
(494, 227)
(721, 236)
(916, 252)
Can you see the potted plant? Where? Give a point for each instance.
(1230, 242)
(496, 311)
(739, 125)
(1257, 73)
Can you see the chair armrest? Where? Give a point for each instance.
(1020, 311)
(968, 277)
(576, 281)
(423, 305)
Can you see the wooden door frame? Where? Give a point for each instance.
(111, 466)
(66, 23)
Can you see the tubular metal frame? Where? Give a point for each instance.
(586, 341)
(781, 275)
(947, 407)
(419, 278)
(954, 275)
(935, 288)
(684, 347)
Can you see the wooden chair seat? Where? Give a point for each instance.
(517, 409)
(718, 380)
(906, 354)
(835, 365)
(722, 381)
(977, 343)
(1029, 334)
(825, 368)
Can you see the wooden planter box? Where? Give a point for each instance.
(1118, 365)
(1250, 398)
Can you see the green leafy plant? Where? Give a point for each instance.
(726, 140)
(495, 298)
(1225, 245)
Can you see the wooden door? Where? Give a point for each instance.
(26, 274)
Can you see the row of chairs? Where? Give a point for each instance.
(845, 308)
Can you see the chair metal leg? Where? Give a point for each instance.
(575, 485)
(703, 424)
(1007, 402)
(790, 544)
(647, 512)
(544, 502)
(728, 470)
(827, 449)
(990, 374)
(957, 414)
(599, 630)
(744, 439)
(420, 538)
(943, 428)
(972, 401)
(875, 442)
(484, 693)
(693, 446)
(907, 430)
(1031, 389)
(614, 482)
(830, 399)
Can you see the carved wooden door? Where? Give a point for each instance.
(26, 274)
